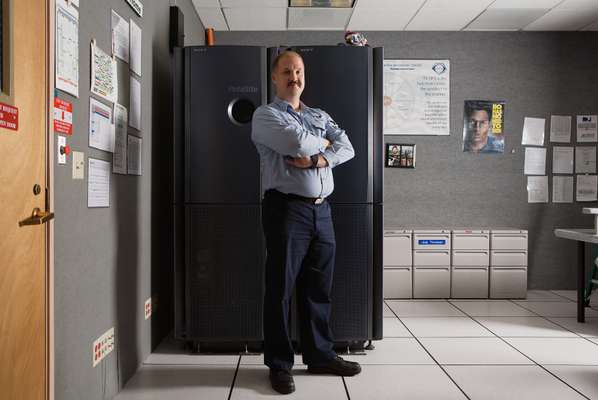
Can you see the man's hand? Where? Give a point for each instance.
(328, 143)
(305, 162)
(299, 162)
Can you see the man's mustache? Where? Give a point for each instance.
(291, 83)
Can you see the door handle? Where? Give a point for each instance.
(37, 217)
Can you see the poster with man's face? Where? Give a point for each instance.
(483, 126)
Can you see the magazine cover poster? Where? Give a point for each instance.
(483, 126)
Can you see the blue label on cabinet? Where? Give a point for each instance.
(432, 242)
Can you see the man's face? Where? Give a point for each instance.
(479, 123)
(288, 77)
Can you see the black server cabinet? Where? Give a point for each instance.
(220, 252)
(346, 82)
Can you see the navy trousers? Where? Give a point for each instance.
(300, 252)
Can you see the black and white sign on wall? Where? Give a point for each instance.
(417, 97)
(137, 6)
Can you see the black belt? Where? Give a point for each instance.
(292, 196)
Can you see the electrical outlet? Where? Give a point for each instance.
(102, 346)
(148, 308)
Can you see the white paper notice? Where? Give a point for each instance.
(562, 189)
(533, 131)
(417, 97)
(101, 129)
(535, 161)
(134, 155)
(135, 44)
(67, 48)
(562, 160)
(119, 158)
(103, 74)
(98, 183)
(587, 188)
(537, 189)
(585, 160)
(135, 104)
(120, 37)
(560, 129)
(587, 128)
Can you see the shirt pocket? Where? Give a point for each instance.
(319, 125)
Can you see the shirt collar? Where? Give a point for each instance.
(284, 105)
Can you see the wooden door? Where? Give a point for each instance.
(23, 164)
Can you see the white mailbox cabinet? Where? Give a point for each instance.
(398, 264)
(508, 264)
(470, 263)
(431, 263)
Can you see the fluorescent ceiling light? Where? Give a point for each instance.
(322, 3)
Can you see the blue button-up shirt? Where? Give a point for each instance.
(278, 131)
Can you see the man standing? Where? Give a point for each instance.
(298, 148)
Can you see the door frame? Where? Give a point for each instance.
(50, 143)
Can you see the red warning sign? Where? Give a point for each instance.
(9, 117)
(63, 116)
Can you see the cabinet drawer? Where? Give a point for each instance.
(471, 258)
(431, 258)
(508, 283)
(398, 283)
(429, 283)
(508, 241)
(469, 283)
(432, 241)
(508, 258)
(471, 241)
(397, 250)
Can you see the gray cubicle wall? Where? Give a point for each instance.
(109, 260)
(537, 74)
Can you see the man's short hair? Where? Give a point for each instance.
(282, 54)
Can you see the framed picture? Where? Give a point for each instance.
(483, 123)
(400, 155)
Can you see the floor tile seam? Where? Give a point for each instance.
(493, 336)
(559, 325)
(431, 316)
(189, 365)
(433, 359)
(232, 385)
(346, 388)
(560, 295)
(588, 338)
(534, 361)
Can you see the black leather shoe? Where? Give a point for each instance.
(336, 366)
(282, 381)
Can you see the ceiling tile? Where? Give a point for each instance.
(578, 5)
(524, 3)
(403, 5)
(256, 19)
(506, 18)
(379, 19)
(321, 3)
(206, 3)
(446, 15)
(591, 27)
(563, 20)
(319, 18)
(212, 18)
(254, 3)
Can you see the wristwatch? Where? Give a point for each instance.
(314, 160)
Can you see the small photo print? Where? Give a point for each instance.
(400, 155)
